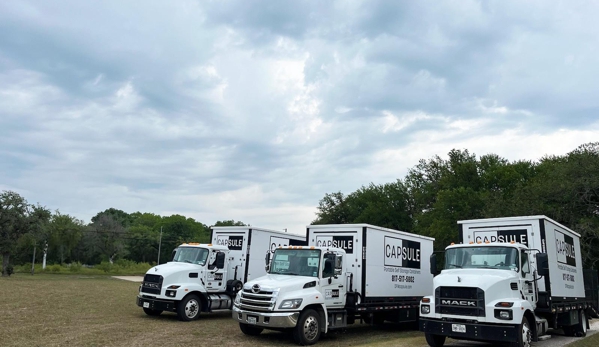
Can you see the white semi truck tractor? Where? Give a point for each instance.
(206, 277)
(347, 273)
(509, 280)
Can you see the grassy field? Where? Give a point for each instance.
(74, 310)
(591, 341)
(79, 310)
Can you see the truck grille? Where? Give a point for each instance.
(462, 301)
(152, 284)
(258, 301)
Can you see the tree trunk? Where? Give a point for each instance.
(5, 258)
(45, 254)
(33, 261)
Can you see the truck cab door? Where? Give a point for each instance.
(527, 283)
(333, 281)
(216, 277)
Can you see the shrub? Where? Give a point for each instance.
(10, 270)
(104, 266)
(54, 268)
(75, 267)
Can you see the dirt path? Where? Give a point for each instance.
(130, 278)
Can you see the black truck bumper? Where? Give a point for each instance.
(158, 305)
(474, 331)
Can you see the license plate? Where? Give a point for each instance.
(252, 320)
(458, 328)
(146, 304)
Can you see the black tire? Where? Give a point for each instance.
(378, 319)
(434, 340)
(524, 334)
(237, 286)
(568, 330)
(249, 329)
(307, 330)
(580, 329)
(189, 308)
(151, 312)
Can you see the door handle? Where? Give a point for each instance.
(341, 286)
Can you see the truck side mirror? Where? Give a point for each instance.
(338, 265)
(220, 260)
(542, 264)
(434, 264)
(267, 261)
(173, 254)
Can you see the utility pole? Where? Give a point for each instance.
(33, 261)
(159, 244)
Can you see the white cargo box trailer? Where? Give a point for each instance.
(387, 265)
(206, 277)
(248, 246)
(561, 245)
(509, 280)
(347, 272)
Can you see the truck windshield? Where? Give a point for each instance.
(505, 258)
(297, 262)
(192, 255)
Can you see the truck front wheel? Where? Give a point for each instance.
(524, 334)
(151, 312)
(307, 330)
(435, 340)
(250, 330)
(189, 308)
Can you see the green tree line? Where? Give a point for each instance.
(438, 192)
(429, 200)
(34, 233)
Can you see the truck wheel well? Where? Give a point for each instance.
(203, 299)
(532, 322)
(319, 309)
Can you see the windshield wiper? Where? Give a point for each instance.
(456, 265)
(284, 273)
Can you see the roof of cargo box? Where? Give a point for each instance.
(364, 225)
(247, 227)
(487, 244)
(517, 218)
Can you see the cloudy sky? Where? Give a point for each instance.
(253, 110)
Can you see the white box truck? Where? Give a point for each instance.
(348, 272)
(508, 281)
(206, 277)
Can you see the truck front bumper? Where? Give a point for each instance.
(156, 304)
(470, 331)
(266, 319)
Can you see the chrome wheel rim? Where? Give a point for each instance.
(191, 308)
(310, 328)
(526, 335)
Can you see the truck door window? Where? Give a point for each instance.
(525, 264)
(328, 269)
(338, 264)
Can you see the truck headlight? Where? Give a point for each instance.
(504, 314)
(237, 300)
(290, 304)
(425, 309)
